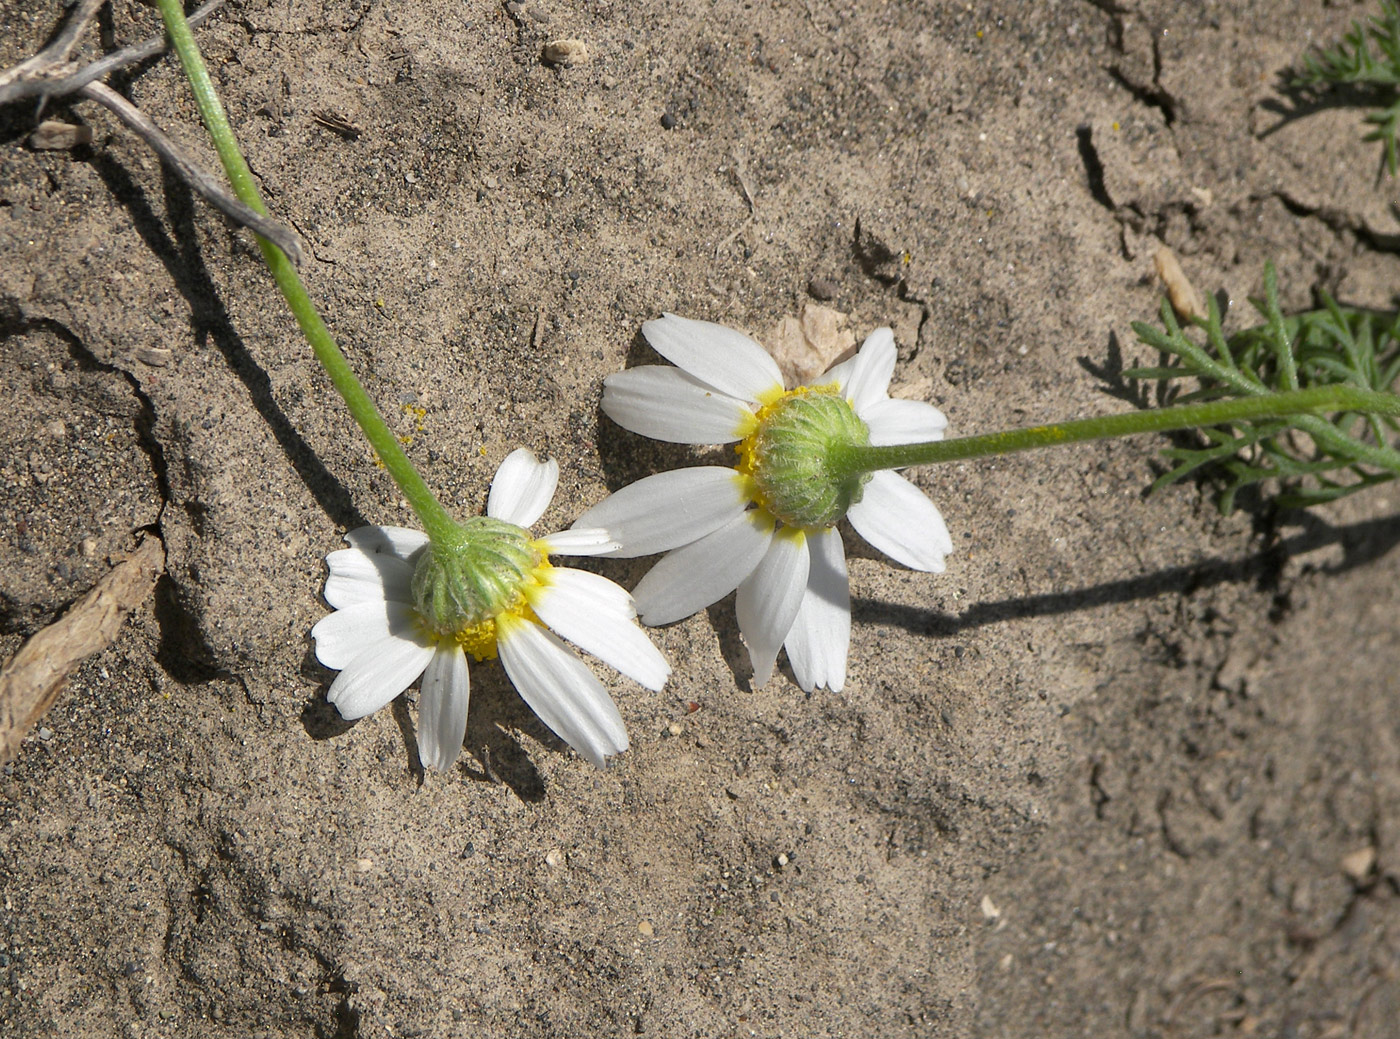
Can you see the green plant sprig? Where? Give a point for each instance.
(1352, 62)
(1314, 458)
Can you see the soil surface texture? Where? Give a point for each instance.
(1128, 767)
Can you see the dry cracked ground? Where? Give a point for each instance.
(1127, 768)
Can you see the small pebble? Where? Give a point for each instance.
(989, 909)
(781, 861)
(645, 929)
(553, 859)
(823, 288)
(675, 729)
(364, 865)
(53, 135)
(668, 121)
(1357, 865)
(565, 53)
(46, 734)
(155, 356)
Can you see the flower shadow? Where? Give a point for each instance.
(493, 714)
(1361, 544)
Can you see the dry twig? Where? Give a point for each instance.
(50, 74)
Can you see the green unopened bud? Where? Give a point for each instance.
(474, 577)
(787, 457)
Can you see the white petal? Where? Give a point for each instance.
(821, 633)
(769, 598)
(357, 577)
(398, 541)
(665, 403)
(837, 373)
(442, 709)
(598, 617)
(380, 672)
(669, 509)
(588, 541)
(523, 488)
(867, 379)
(582, 590)
(705, 571)
(901, 522)
(560, 689)
(341, 636)
(729, 361)
(894, 421)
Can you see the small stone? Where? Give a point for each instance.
(553, 859)
(55, 428)
(668, 120)
(1358, 864)
(46, 734)
(53, 135)
(808, 344)
(989, 909)
(155, 356)
(364, 865)
(781, 860)
(88, 547)
(675, 729)
(565, 53)
(645, 929)
(824, 289)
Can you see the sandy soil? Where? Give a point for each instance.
(1127, 768)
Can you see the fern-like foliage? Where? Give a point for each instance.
(1313, 458)
(1352, 62)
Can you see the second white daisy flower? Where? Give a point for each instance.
(766, 527)
(405, 608)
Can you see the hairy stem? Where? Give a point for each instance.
(1302, 405)
(435, 519)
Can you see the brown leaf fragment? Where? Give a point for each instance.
(1185, 300)
(32, 679)
(808, 344)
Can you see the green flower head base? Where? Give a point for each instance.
(767, 527)
(788, 457)
(460, 587)
(406, 607)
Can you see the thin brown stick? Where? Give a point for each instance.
(55, 55)
(31, 681)
(50, 74)
(191, 174)
(40, 81)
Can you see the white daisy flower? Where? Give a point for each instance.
(406, 607)
(768, 526)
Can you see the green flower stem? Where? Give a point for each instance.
(436, 521)
(847, 460)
